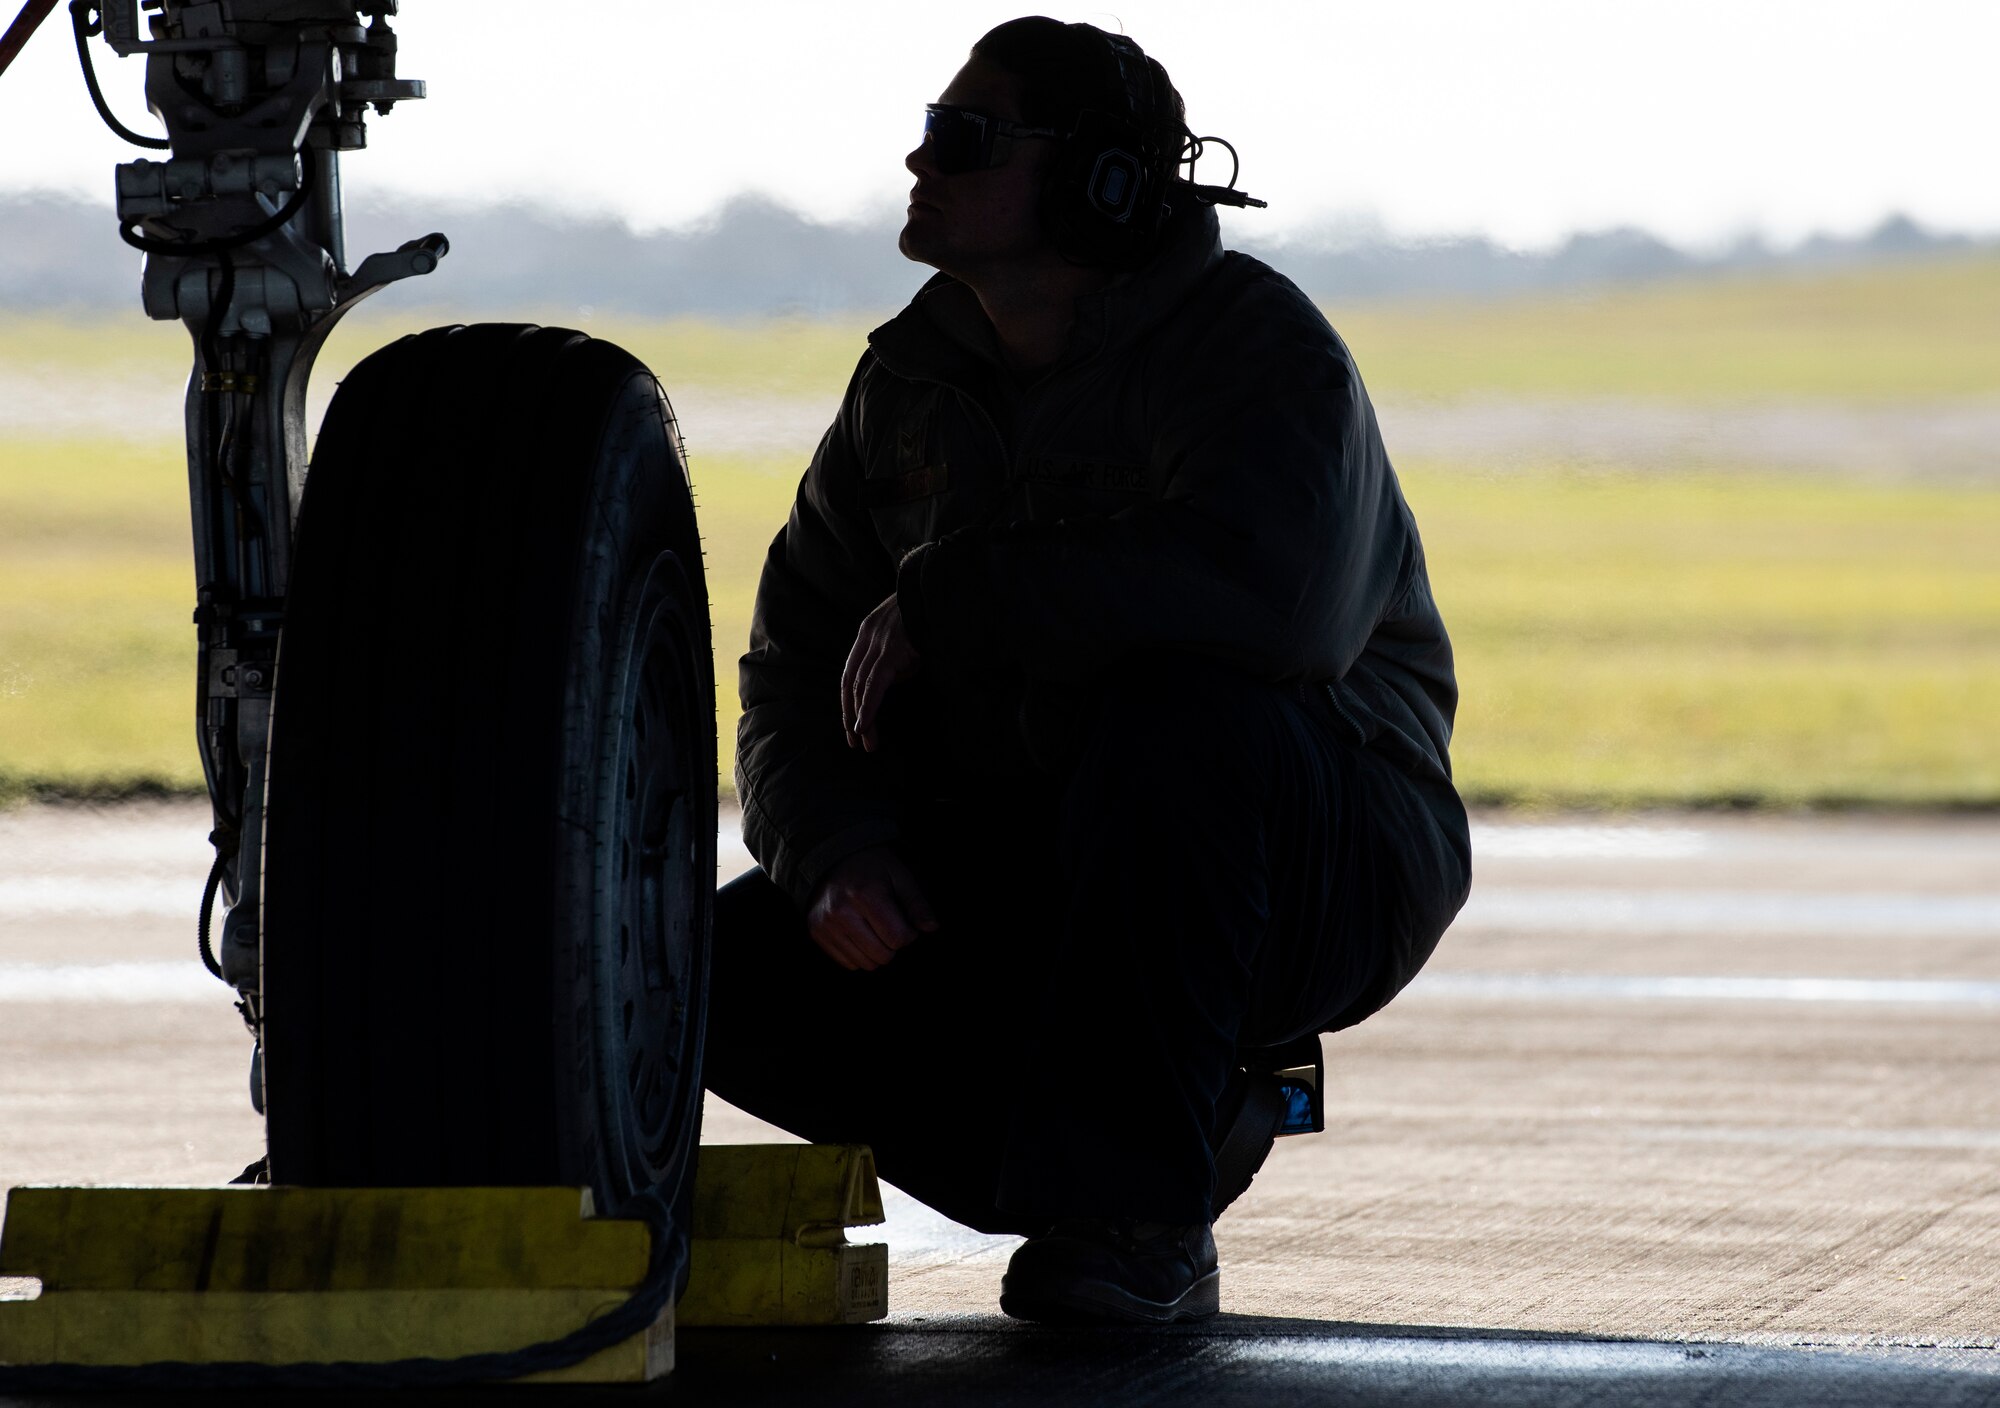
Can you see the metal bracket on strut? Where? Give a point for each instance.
(412, 257)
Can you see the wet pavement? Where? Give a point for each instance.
(1688, 1109)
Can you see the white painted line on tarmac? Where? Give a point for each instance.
(1539, 842)
(1574, 911)
(69, 893)
(110, 982)
(99, 897)
(189, 982)
(1417, 1356)
(1498, 1367)
(152, 848)
(1617, 987)
(1813, 1137)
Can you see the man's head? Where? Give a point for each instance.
(1083, 133)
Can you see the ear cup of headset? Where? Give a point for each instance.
(1104, 200)
(1106, 194)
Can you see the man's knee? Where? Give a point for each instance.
(758, 931)
(752, 905)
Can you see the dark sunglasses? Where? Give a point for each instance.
(963, 140)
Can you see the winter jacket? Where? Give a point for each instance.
(1200, 475)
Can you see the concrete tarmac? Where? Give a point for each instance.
(1687, 1109)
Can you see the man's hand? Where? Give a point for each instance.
(868, 909)
(882, 656)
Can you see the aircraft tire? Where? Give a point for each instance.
(490, 815)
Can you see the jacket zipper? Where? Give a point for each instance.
(1332, 693)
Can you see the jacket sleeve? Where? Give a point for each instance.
(1269, 548)
(808, 799)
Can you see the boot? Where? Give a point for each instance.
(1135, 1273)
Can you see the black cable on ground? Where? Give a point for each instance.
(79, 14)
(633, 1317)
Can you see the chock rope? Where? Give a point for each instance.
(634, 1316)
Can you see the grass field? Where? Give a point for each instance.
(1911, 332)
(1888, 333)
(1624, 639)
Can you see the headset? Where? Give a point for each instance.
(1111, 185)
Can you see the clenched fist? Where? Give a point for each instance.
(868, 909)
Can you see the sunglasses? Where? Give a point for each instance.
(963, 140)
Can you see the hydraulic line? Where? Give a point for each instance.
(79, 14)
(128, 230)
(207, 911)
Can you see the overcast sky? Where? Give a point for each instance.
(1523, 120)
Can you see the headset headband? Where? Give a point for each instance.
(1108, 191)
(1142, 101)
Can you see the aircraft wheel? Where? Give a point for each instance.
(490, 817)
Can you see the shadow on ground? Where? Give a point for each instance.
(979, 1360)
(972, 1361)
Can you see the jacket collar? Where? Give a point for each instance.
(943, 334)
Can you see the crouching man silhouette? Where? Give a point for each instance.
(1096, 710)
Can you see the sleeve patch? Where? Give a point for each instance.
(919, 483)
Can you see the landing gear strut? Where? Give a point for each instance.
(455, 698)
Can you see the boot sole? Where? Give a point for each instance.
(1100, 1303)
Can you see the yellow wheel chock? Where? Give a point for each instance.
(770, 1242)
(302, 1276)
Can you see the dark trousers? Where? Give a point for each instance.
(1220, 866)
